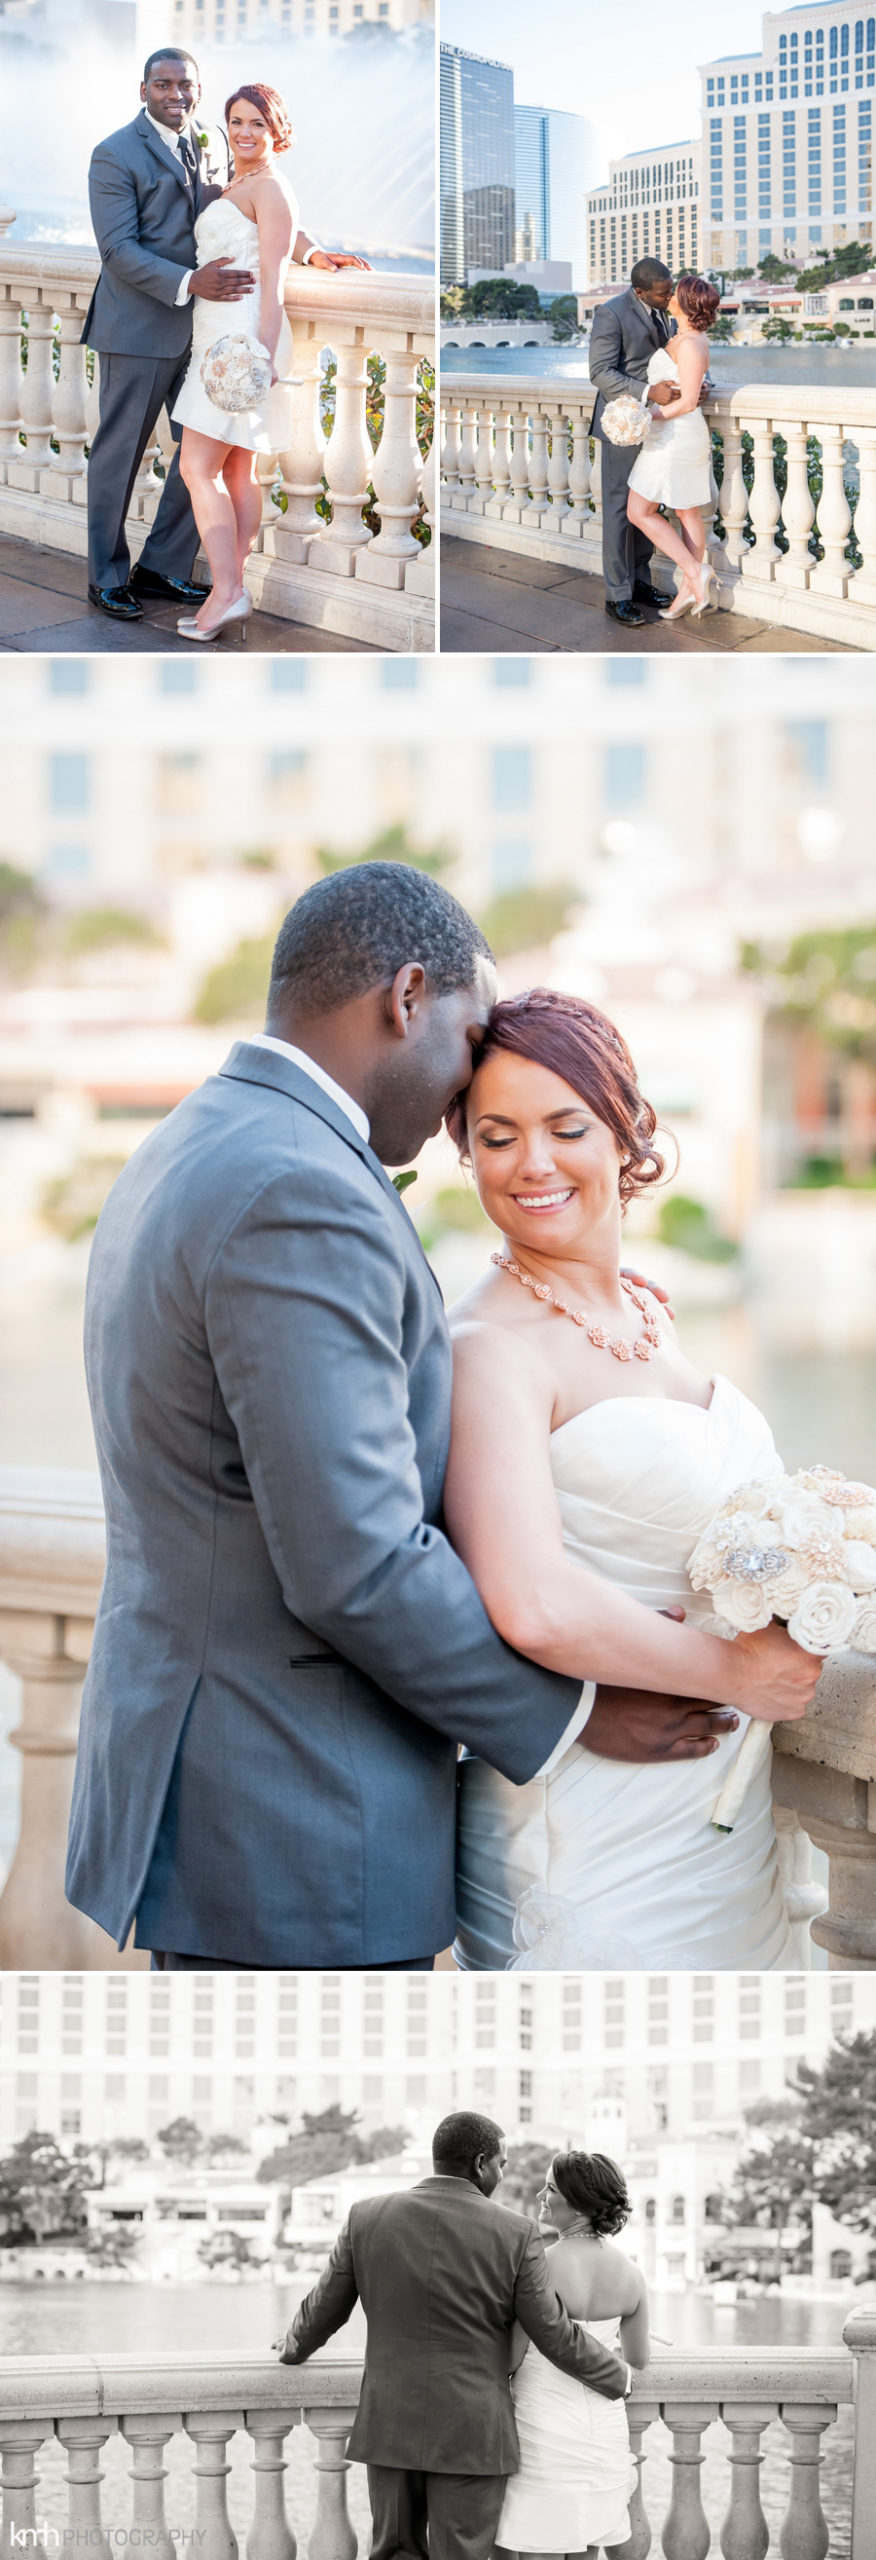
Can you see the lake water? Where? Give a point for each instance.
(731, 367)
(244, 2319)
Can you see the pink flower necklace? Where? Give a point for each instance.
(649, 1339)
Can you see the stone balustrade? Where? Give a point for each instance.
(520, 471)
(339, 574)
(748, 2403)
(51, 1567)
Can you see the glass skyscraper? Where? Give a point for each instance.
(477, 164)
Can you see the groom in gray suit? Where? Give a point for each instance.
(287, 1649)
(441, 2279)
(147, 184)
(625, 335)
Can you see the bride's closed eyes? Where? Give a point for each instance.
(562, 1134)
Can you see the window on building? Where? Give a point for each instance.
(69, 776)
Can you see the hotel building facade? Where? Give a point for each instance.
(787, 150)
(649, 208)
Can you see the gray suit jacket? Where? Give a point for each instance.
(144, 210)
(287, 1649)
(624, 336)
(442, 2274)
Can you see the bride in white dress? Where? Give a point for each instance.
(674, 467)
(254, 224)
(583, 1438)
(576, 2474)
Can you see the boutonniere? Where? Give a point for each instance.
(202, 140)
(400, 1181)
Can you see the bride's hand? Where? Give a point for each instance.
(770, 1676)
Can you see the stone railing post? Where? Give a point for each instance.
(804, 2533)
(686, 2533)
(824, 1774)
(148, 2435)
(84, 2440)
(270, 2536)
(859, 2335)
(745, 2534)
(332, 2537)
(210, 2430)
(20, 2441)
(51, 1566)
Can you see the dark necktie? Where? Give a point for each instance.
(188, 157)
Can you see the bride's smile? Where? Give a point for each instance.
(542, 1159)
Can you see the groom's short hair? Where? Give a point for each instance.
(460, 2140)
(355, 930)
(648, 271)
(169, 53)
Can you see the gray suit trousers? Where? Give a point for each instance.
(626, 555)
(133, 392)
(460, 2510)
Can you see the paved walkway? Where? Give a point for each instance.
(44, 609)
(494, 601)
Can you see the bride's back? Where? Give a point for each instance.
(595, 2279)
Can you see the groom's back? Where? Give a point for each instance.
(436, 2271)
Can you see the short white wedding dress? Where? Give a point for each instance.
(576, 2475)
(674, 467)
(610, 1864)
(222, 231)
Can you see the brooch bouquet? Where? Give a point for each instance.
(236, 373)
(625, 420)
(801, 1548)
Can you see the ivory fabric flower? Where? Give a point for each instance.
(804, 1517)
(743, 1605)
(863, 1635)
(858, 1563)
(824, 1617)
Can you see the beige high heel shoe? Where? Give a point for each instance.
(238, 612)
(683, 602)
(708, 580)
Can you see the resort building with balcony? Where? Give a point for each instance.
(787, 140)
(649, 207)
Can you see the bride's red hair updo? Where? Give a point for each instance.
(270, 105)
(577, 1042)
(699, 300)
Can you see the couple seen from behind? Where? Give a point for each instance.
(339, 1547)
(196, 232)
(492, 2412)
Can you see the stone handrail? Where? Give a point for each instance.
(51, 1567)
(519, 470)
(339, 575)
(82, 2401)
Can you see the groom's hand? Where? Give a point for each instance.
(635, 1724)
(639, 1282)
(221, 281)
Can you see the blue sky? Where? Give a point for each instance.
(629, 66)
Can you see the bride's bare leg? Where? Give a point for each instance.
(202, 464)
(242, 482)
(692, 533)
(662, 533)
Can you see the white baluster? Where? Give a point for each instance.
(84, 2440)
(452, 448)
(798, 511)
(147, 2435)
(516, 504)
(502, 461)
(804, 2534)
(396, 473)
(804, 1900)
(71, 390)
(733, 502)
(638, 2542)
(538, 464)
(349, 463)
(420, 572)
(579, 472)
(20, 2441)
(764, 507)
(38, 389)
(270, 2536)
(558, 472)
(37, 1925)
(210, 2431)
(302, 462)
(468, 449)
(831, 575)
(332, 2537)
(862, 583)
(745, 2534)
(484, 467)
(11, 449)
(686, 2533)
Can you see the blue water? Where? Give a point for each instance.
(731, 367)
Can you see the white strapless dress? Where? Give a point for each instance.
(674, 466)
(222, 231)
(611, 1865)
(576, 2475)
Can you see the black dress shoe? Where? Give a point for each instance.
(149, 582)
(627, 614)
(646, 595)
(118, 601)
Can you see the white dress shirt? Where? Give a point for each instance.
(362, 1126)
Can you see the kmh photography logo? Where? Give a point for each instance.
(50, 2537)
